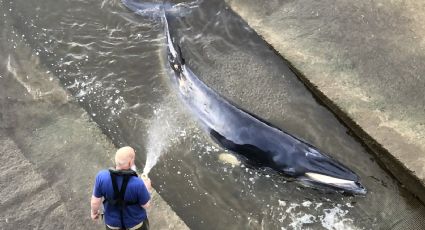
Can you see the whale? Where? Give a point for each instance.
(257, 142)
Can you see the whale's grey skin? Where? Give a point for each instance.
(260, 143)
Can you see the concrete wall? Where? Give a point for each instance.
(364, 59)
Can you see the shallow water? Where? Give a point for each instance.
(112, 62)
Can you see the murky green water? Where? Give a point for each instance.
(112, 63)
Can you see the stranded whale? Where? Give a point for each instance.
(258, 142)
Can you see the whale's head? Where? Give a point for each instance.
(321, 171)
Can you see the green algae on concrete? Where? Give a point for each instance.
(365, 61)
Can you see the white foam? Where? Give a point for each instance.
(306, 203)
(282, 203)
(299, 221)
(335, 219)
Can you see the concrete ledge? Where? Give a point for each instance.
(359, 59)
(26, 198)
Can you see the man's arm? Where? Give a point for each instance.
(95, 205)
(147, 205)
(148, 186)
(96, 199)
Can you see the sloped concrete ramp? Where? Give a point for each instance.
(50, 152)
(26, 198)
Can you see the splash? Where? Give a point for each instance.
(162, 133)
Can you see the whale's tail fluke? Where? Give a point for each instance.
(156, 9)
(143, 8)
(162, 10)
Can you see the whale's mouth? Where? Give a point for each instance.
(347, 186)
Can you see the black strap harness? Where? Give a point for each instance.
(118, 199)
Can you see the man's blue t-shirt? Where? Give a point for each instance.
(136, 191)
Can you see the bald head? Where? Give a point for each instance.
(124, 158)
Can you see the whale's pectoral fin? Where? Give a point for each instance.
(347, 186)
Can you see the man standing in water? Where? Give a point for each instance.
(126, 196)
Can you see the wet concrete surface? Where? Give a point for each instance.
(50, 152)
(26, 198)
(365, 61)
